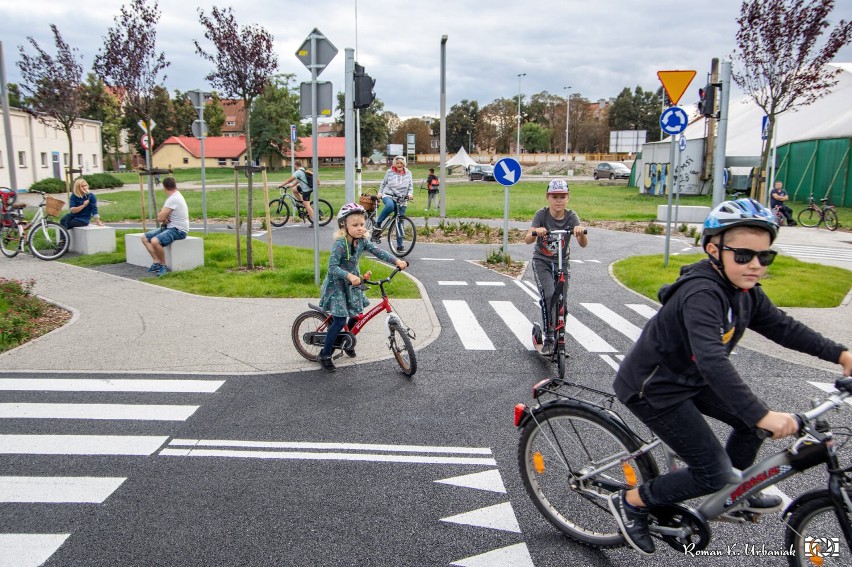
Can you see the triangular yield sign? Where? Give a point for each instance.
(675, 83)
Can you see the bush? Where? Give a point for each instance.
(653, 229)
(49, 185)
(18, 308)
(103, 181)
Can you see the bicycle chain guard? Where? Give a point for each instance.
(678, 516)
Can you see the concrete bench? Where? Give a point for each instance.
(92, 239)
(690, 214)
(181, 255)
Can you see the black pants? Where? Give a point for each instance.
(544, 271)
(69, 222)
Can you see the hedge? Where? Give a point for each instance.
(95, 181)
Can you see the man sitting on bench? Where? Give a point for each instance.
(174, 218)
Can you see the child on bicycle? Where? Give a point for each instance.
(339, 295)
(555, 216)
(679, 368)
(298, 184)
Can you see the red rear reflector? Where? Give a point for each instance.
(539, 385)
(520, 410)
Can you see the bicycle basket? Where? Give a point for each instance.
(367, 201)
(53, 206)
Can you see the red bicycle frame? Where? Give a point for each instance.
(364, 318)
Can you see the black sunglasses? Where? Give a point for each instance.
(746, 255)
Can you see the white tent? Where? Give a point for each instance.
(461, 159)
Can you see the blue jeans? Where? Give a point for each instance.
(683, 428)
(165, 235)
(387, 209)
(337, 324)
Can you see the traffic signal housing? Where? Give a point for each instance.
(707, 100)
(364, 84)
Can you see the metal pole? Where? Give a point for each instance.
(518, 148)
(721, 135)
(292, 150)
(772, 164)
(567, 117)
(7, 125)
(349, 124)
(314, 154)
(670, 178)
(442, 200)
(203, 160)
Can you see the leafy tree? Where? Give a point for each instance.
(244, 62)
(782, 64)
(273, 113)
(214, 115)
(183, 113)
(422, 134)
(535, 138)
(374, 124)
(548, 111)
(100, 104)
(14, 93)
(53, 86)
(130, 64)
(461, 125)
(497, 124)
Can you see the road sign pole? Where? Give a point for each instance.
(506, 222)
(722, 135)
(314, 153)
(670, 178)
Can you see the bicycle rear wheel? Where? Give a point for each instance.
(808, 217)
(279, 212)
(566, 441)
(403, 351)
(401, 236)
(830, 220)
(324, 212)
(48, 240)
(10, 239)
(814, 533)
(308, 322)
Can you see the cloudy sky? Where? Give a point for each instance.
(596, 48)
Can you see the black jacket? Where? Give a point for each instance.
(686, 345)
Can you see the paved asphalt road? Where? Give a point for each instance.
(352, 468)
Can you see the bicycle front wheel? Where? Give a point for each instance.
(403, 351)
(279, 212)
(308, 322)
(814, 533)
(10, 239)
(401, 236)
(556, 447)
(808, 217)
(561, 359)
(830, 220)
(324, 212)
(48, 240)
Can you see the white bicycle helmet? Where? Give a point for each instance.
(742, 212)
(348, 209)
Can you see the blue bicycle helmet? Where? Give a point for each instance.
(742, 212)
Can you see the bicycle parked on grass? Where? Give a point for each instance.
(557, 307)
(812, 215)
(279, 210)
(309, 331)
(401, 232)
(46, 240)
(574, 452)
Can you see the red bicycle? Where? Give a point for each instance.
(309, 331)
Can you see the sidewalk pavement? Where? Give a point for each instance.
(124, 325)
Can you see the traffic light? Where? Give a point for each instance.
(364, 83)
(707, 100)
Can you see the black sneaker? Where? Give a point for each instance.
(350, 352)
(762, 503)
(326, 363)
(548, 346)
(633, 523)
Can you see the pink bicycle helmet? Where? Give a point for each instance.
(349, 209)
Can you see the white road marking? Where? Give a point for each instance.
(451, 282)
(497, 517)
(531, 285)
(58, 489)
(614, 320)
(438, 259)
(511, 556)
(28, 550)
(97, 411)
(328, 446)
(587, 338)
(496, 284)
(471, 333)
(486, 480)
(608, 359)
(80, 444)
(576, 261)
(328, 456)
(595, 261)
(527, 290)
(108, 385)
(645, 311)
(516, 321)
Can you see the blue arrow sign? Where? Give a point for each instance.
(673, 120)
(764, 128)
(682, 142)
(507, 171)
(293, 133)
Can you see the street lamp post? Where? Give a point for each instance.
(518, 148)
(567, 117)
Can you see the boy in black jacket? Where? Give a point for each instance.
(679, 368)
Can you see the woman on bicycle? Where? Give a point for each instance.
(339, 294)
(397, 184)
(679, 368)
(555, 216)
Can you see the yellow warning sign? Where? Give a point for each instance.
(675, 83)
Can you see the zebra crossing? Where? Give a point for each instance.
(817, 253)
(32, 549)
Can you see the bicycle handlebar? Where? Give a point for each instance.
(844, 387)
(386, 280)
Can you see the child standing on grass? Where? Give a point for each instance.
(555, 216)
(339, 295)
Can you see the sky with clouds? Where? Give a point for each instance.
(596, 48)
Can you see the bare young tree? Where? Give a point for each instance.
(130, 64)
(53, 86)
(782, 64)
(244, 62)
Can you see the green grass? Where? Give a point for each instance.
(293, 275)
(788, 282)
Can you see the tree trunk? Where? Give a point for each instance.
(250, 202)
(68, 174)
(760, 197)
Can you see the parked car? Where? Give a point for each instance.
(481, 171)
(611, 170)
